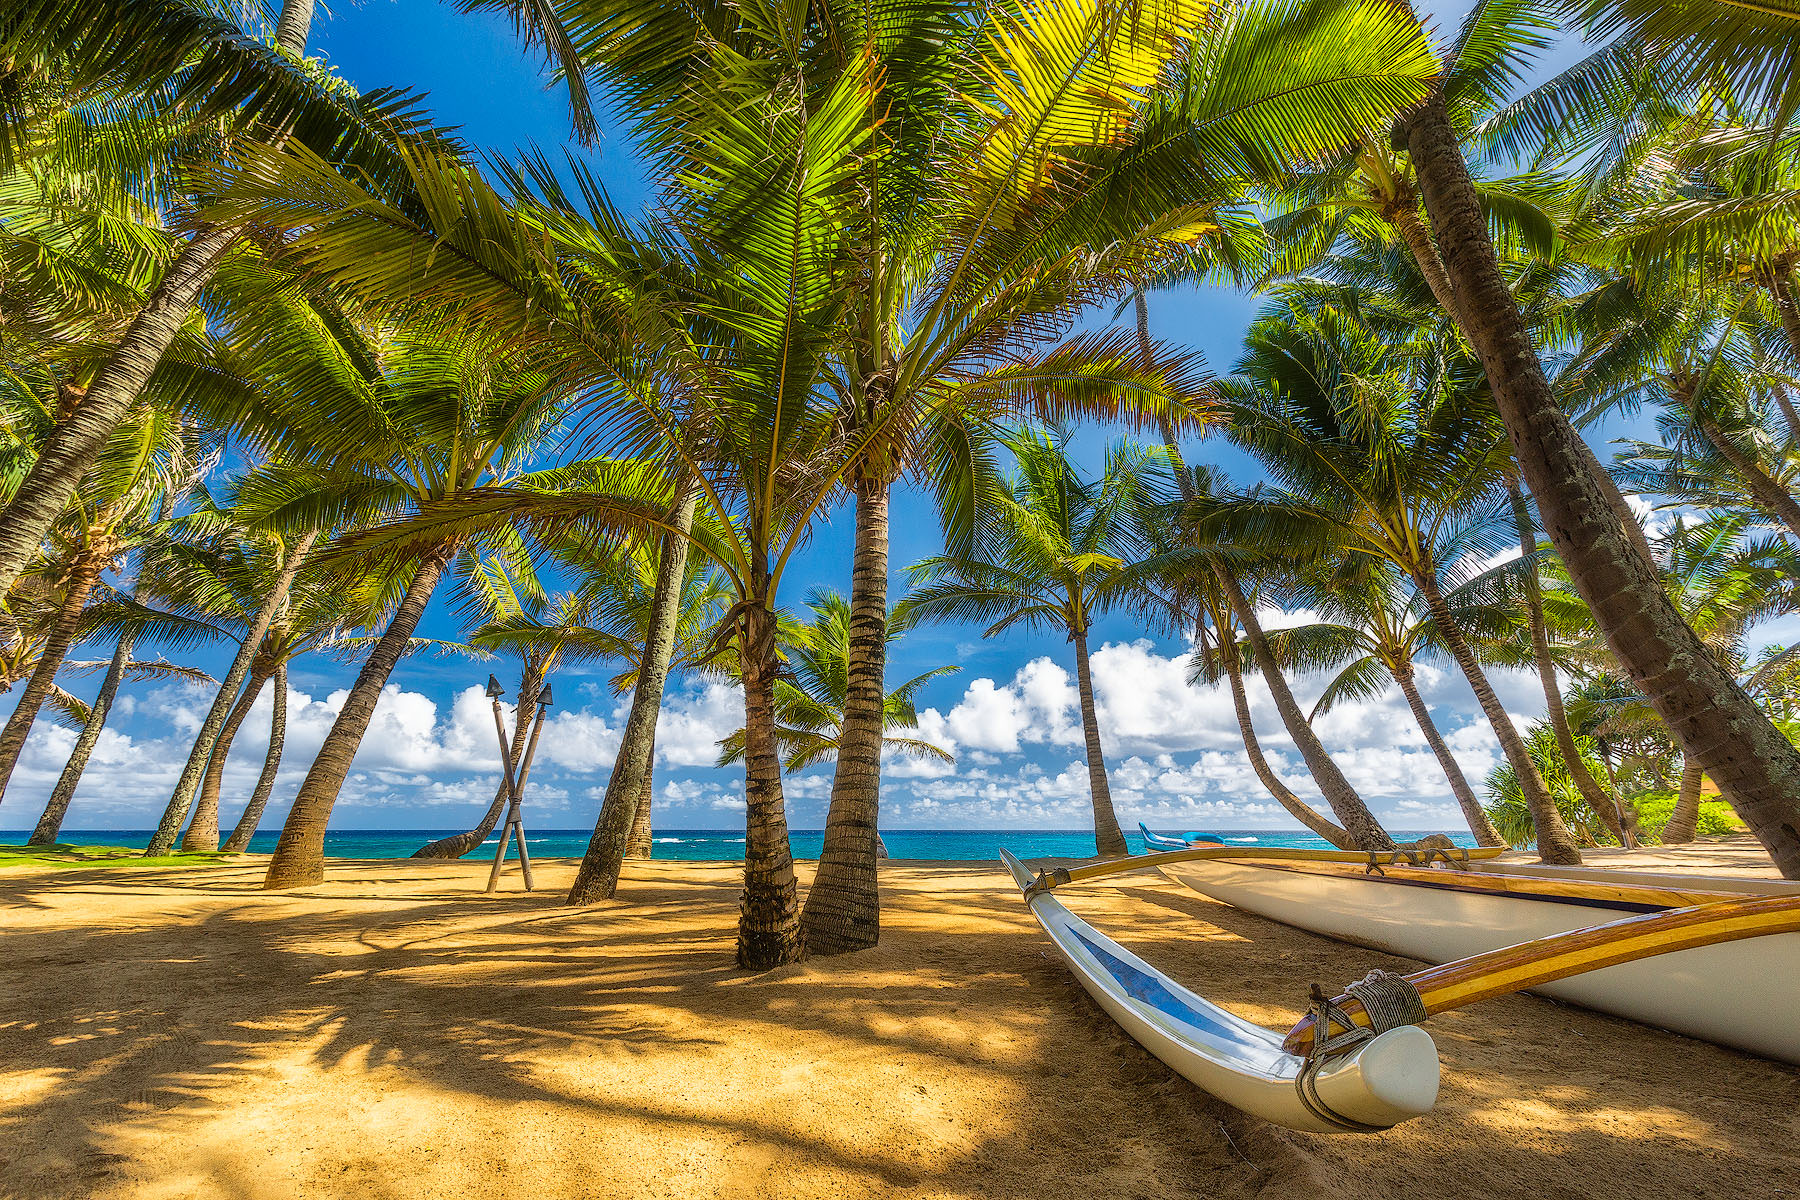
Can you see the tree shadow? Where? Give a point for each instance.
(406, 1035)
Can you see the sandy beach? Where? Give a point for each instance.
(394, 1033)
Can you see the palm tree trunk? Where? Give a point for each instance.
(84, 574)
(638, 845)
(769, 918)
(1362, 827)
(203, 831)
(1781, 291)
(175, 813)
(1405, 219)
(1786, 404)
(1109, 841)
(1473, 813)
(1776, 500)
(1685, 819)
(1606, 806)
(843, 906)
(1711, 716)
(239, 841)
(49, 825)
(1284, 796)
(299, 856)
(458, 844)
(76, 442)
(598, 877)
(1553, 841)
(1364, 830)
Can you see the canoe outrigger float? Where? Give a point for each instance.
(1374, 1067)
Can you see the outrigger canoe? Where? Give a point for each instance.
(1358, 1062)
(1384, 1081)
(1164, 841)
(1742, 994)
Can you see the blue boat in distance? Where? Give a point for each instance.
(1163, 841)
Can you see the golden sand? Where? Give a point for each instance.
(394, 1033)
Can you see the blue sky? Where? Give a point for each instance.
(430, 758)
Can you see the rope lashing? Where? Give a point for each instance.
(1390, 1001)
(1046, 879)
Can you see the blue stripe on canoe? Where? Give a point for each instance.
(1151, 990)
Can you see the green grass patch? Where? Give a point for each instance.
(63, 854)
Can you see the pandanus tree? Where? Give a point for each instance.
(1383, 445)
(1053, 561)
(810, 696)
(1374, 628)
(1756, 767)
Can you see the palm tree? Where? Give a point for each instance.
(1375, 628)
(1054, 560)
(810, 696)
(363, 422)
(146, 459)
(245, 580)
(1383, 450)
(108, 48)
(1716, 722)
(1176, 588)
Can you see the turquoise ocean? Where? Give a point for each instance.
(708, 844)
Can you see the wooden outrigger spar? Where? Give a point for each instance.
(1376, 1068)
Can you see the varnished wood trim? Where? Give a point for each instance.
(1545, 960)
(1524, 887)
(1384, 858)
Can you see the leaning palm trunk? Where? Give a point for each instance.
(1604, 804)
(1684, 819)
(598, 877)
(76, 442)
(1770, 496)
(638, 845)
(1360, 828)
(1364, 830)
(1553, 841)
(1109, 842)
(459, 844)
(239, 841)
(299, 856)
(203, 830)
(1473, 813)
(843, 906)
(769, 918)
(1717, 724)
(175, 813)
(1284, 796)
(49, 826)
(84, 574)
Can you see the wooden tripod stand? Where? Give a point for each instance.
(514, 824)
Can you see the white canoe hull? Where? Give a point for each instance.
(1744, 994)
(1387, 1080)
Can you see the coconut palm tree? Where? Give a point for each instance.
(1579, 504)
(1383, 448)
(363, 421)
(222, 72)
(1375, 626)
(1054, 560)
(116, 509)
(810, 696)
